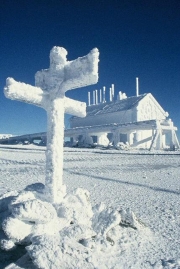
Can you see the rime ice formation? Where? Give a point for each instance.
(64, 231)
(49, 93)
(68, 235)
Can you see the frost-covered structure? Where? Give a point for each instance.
(138, 121)
(59, 230)
(49, 93)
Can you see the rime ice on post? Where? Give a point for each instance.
(49, 93)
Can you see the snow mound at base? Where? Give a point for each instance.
(76, 207)
(5, 200)
(17, 230)
(34, 210)
(70, 234)
(57, 252)
(105, 220)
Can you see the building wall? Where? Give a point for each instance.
(149, 109)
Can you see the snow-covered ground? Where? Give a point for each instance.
(147, 183)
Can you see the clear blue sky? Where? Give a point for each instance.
(135, 39)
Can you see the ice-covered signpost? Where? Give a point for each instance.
(49, 93)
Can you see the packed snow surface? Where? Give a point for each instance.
(126, 210)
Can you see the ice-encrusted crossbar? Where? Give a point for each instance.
(49, 93)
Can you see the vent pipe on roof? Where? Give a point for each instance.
(112, 91)
(104, 94)
(137, 86)
(96, 91)
(100, 96)
(110, 94)
(89, 98)
(93, 97)
(120, 95)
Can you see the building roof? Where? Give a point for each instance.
(119, 105)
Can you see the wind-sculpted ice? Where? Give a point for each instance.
(58, 252)
(65, 235)
(76, 207)
(105, 219)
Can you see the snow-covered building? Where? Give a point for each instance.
(138, 121)
(5, 136)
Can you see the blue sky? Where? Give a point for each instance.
(135, 39)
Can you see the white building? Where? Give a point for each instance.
(139, 121)
(5, 136)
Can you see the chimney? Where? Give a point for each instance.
(137, 87)
(89, 98)
(100, 96)
(104, 94)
